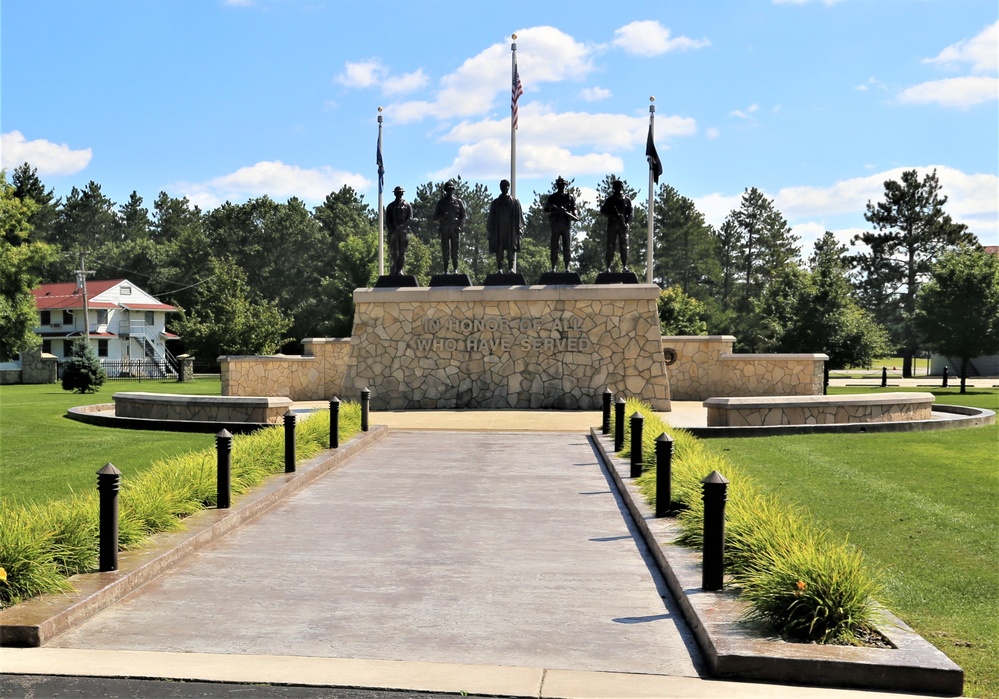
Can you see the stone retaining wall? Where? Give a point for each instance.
(36, 367)
(818, 410)
(162, 406)
(706, 367)
(506, 347)
(315, 375)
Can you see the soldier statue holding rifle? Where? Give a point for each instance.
(561, 209)
(617, 209)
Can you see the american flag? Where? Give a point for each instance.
(516, 92)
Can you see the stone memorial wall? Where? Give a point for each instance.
(506, 347)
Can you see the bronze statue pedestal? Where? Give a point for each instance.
(559, 278)
(396, 281)
(450, 280)
(505, 279)
(617, 278)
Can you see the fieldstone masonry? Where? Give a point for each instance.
(499, 347)
(315, 375)
(706, 366)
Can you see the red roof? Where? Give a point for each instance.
(65, 295)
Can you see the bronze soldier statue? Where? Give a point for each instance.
(504, 227)
(450, 216)
(561, 209)
(398, 215)
(617, 209)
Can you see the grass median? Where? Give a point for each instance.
(920, 505)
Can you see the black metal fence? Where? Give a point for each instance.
(131, 369)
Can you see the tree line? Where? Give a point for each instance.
(259, 276)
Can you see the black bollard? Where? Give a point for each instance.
(945, 377)
(825, 378)
(289, 441)
(664, 474)
(605, 425)
(365, 406)
(619, 424)
(715, 494)
(108, 484)
(223, 481)
(884, 377)
(335, 423)
(637, 424)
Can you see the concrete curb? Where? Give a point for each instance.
(36, 621)
(733, 651)
(103, 415)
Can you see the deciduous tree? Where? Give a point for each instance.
(21, 264)
(957, 309)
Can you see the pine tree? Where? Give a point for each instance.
(82, 372)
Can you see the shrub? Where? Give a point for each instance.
(42, 545)
(796, 580)
(83, 372)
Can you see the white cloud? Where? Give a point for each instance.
(953, 92)
(272, 178)
(752, 109)
(538, 124)
(594, 94)
(47, 157)
(981, 51)
(362, 74)
(490, 160)
(545, 54)
(649, 38)
(712, 133)
(407, 82)
(973, 199)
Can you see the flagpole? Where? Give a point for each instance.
(381, 209)
(648, 269)
(513, 129)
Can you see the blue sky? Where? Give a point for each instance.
(814, 102)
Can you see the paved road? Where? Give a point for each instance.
(477, 548)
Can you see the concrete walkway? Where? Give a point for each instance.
(490, 563)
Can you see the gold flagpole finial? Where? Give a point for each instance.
(513, 36)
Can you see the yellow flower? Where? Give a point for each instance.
(3, 575)
(801, 585)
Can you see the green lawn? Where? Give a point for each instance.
(922, 506)
(45, 455)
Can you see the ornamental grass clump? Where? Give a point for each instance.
(796, 580)
(41, 546)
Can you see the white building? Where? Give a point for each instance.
(127, 325)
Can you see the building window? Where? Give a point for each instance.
(47, 346)
(102, 316)
(45, 317)
(102, 348)
(67, 317)
(125, 290)
(150, 318)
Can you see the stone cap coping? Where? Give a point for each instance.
(325, 340)
(799, 401)
(268, 358)
(699, 338)
(595, 292)
(182, 399)
(800, 357)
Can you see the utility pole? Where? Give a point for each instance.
(81, 283)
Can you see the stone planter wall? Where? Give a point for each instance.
(818, 410)
(316, 375)
(506, 347)
(162, 406)
(706, 367)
